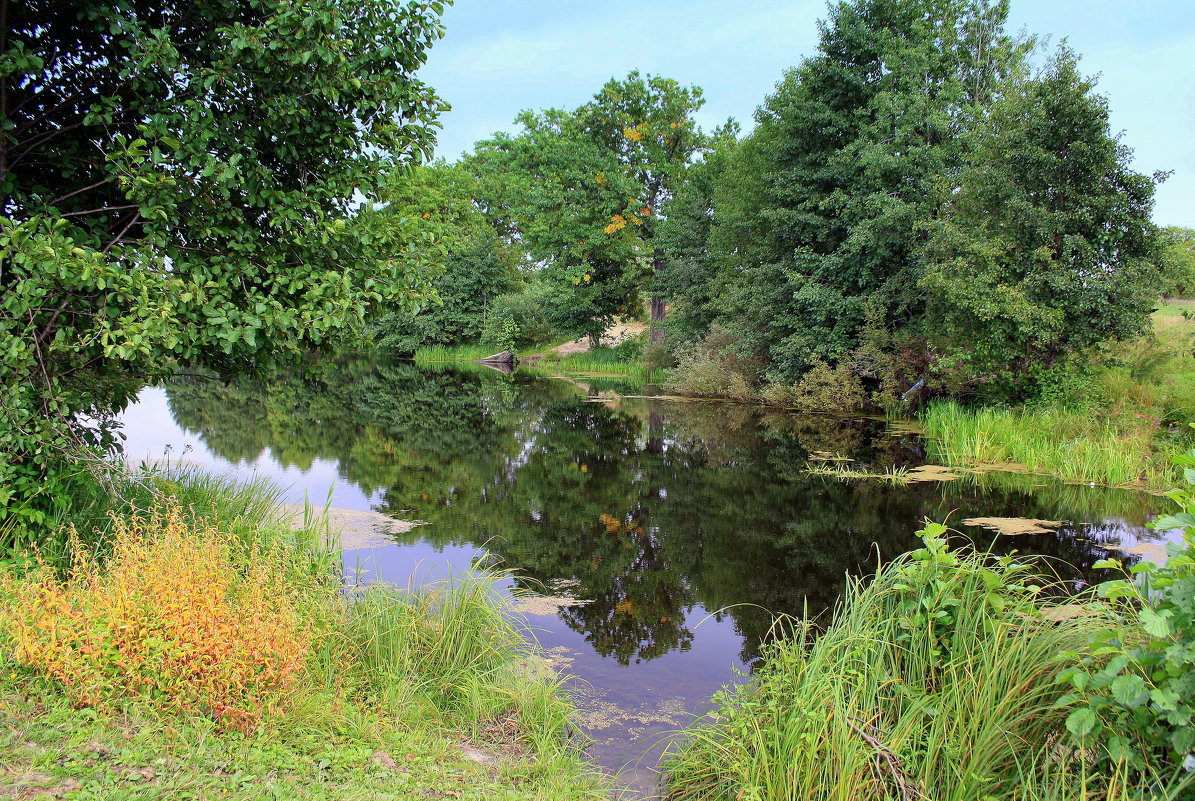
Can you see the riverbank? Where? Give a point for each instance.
(953, 675)
(205, 649)
(1116, 423)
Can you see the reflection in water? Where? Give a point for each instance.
(654, 511)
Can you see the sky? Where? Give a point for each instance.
(502, 56)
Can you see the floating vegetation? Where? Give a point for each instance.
(895, 475)
(1014, 525)
(930, 472)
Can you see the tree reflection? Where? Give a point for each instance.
(651, 508)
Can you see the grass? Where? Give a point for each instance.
(454, 353)
(1124, 432)
(1073, 445)
(602, 361)
(386, 693)
(934, 680)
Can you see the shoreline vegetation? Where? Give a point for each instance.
(200, 644)
(193, 641)
(952, 675)
(1119, 426)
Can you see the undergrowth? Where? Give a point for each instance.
(217, 622)
(934, 680)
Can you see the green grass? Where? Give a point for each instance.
(1124, 433)
(403, 693)
(1073, 445)
(602, 361)
(454, 353)
(935, 680)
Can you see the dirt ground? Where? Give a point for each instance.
(615, 334)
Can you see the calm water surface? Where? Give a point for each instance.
(684, 525)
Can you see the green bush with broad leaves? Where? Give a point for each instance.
(180, 182)
(1134, 695)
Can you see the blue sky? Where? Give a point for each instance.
(502, 56)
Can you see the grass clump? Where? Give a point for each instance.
(935, 680)
(454, 353)
(1071, 444)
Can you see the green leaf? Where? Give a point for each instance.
(1128, 690)
(1082, 722)
(1156, 624)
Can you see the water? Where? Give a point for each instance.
(685, 526)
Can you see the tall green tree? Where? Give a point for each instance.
(819, 214)
(1044, 246)
(648, 122)
(177, 179)
(564, 197)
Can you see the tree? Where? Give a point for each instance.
(817, 220)
(1044, 247)
(583, 189)
(177, 179)
(432, 208)
(1177, 261)
(564, 198)
(647, 121)
(690, 277)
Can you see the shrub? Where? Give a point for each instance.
(517, 321)
(657, 356)
(176, 617)
(1136, 696)
(715, 367)
(822, 389)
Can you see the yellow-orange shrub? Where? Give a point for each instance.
(171, 618)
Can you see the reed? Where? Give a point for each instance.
(454, 353)
(1073, 445)
(935, 680)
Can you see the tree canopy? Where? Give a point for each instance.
(178, 180)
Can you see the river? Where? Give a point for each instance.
(682, 527)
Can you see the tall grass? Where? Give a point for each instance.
(935, 680)
(601, 361)
(184, 567)
(451, 648)
(454, 353)
(1074, 445)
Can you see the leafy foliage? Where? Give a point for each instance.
(432, 208)
(1135, 695)
(1044, 246)
(1177, 261)
(177, 182)
(170, 618)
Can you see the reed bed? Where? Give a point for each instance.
(935, 680)
(1073, 445)
(454, 353)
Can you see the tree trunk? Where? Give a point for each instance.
(658, 311)
(595, 340)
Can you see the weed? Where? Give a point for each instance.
(172, 618)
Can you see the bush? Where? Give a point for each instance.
(1135, 696)
(715, 367)
(822, 389)
(657, 356)
(175, 618)
(517, 321)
